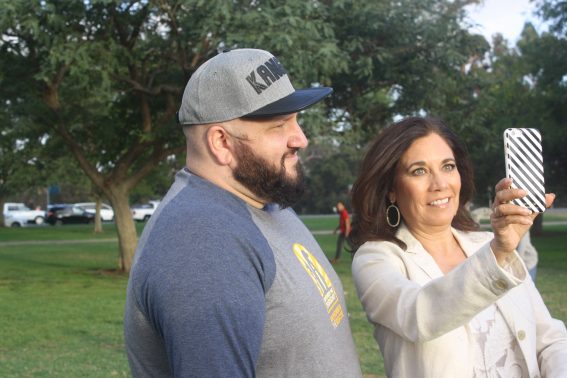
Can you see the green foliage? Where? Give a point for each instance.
(331, 173)
(157, 183)
(21, 165)
(520, 87)
(298, 32)
(545, 60)
(94, 75)
(103, 79)
(403, 56)
(555, 11)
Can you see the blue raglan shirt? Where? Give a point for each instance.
(221, 289)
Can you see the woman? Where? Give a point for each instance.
(446, 300)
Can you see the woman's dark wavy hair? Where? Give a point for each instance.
(378, 170)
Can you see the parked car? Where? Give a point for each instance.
(106, 212)
(69, 214)
(17, 214)
(143, 212)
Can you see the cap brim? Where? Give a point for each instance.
(297, 101)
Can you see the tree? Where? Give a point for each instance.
(11, 161)
(20, 167)
(522, 86)
(546, 57)
(555, 11)
(105, 77)
(402, 58)
(331, 170)
(67, 67)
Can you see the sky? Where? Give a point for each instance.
(503, 16)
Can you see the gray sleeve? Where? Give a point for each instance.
(207, 302)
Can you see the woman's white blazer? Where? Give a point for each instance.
(421, 316)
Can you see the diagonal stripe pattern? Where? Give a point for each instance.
(524, 164)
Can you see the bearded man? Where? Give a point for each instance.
(227, 281)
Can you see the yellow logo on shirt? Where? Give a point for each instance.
(322, 282)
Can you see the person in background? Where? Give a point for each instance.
(227, 281)
(343, 229)
(529, 255)
(445, 299)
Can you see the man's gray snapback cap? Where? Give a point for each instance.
(245, 83)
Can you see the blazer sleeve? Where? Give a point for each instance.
(419, 311)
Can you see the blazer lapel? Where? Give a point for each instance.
(418, 254)
(469, 243)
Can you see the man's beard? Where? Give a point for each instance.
(267, 181)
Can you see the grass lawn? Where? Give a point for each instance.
(62, 304)
(61, 311)
(67, 232)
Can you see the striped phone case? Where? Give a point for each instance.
(524, 164)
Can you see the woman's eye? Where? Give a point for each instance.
(449, 167)
(418, 172)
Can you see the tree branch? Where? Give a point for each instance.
(77, 151)
(163, 88)
(180, 56)
(159, 154)
(205, 44)
(170, 109)
(128, 40)
(127, 160)
(51, 93)
(146, 114)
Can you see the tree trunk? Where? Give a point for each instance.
(98, 219)
(127, 236)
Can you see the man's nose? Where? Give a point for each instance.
(297, 138)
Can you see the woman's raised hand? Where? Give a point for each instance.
(510, 222)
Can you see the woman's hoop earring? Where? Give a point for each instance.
(398, 215)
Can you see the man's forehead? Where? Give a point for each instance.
(245, 125)
(278, 118)
(248, 127)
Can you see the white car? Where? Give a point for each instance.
(18, 214)
(106, 212)
(143, 212)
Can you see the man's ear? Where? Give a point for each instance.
(220, 144)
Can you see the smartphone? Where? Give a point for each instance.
(524, 165)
